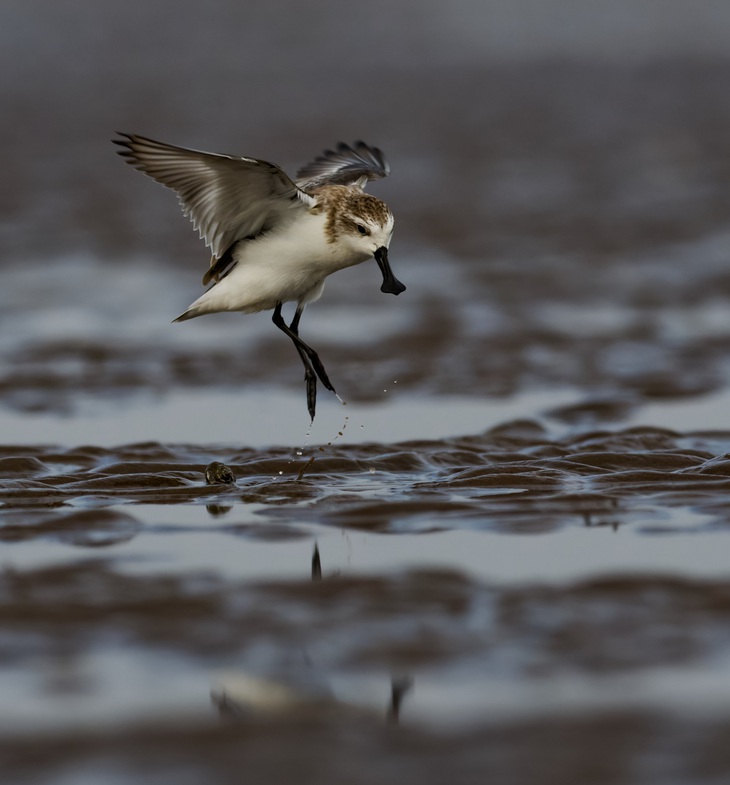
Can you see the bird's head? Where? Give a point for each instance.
(365, 224)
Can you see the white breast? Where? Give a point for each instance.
(285, 265)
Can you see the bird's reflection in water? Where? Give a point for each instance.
(589, 521)
(399, 686)
(316, 565)
(242, 696)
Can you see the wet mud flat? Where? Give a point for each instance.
(557, 603)
(523, 527)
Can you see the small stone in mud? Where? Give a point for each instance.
(218, 473)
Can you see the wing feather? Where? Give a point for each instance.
(227, 198)
(347, 165)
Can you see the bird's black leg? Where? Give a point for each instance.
(310, 380)
(310, 358)
(311, 354)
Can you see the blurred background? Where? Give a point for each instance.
(559, 178)
(560, 173)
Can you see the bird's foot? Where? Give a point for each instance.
(319, 369)
(310, 381)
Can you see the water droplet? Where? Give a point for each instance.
(299, 452)
(280, 473)
(372, 471)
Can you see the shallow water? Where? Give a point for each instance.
(519, 519)
(528, 581)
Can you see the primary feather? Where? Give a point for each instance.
(228, 198)
(348, 165)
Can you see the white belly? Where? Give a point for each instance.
(283, 266)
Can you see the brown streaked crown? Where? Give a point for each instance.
(345, 205)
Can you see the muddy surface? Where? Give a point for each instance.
(506, 558)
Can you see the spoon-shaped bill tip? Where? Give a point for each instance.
(391, 285)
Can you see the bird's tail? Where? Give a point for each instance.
(191, 313)
(206, 303)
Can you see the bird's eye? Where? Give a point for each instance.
(362, 229)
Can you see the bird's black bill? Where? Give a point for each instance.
(391, 285)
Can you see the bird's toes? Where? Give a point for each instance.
(320, 371)
(326, 382)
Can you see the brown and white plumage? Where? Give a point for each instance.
(274, 240)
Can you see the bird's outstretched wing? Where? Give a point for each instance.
(347, 165)
(227, 198)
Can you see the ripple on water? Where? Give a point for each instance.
(511, 469)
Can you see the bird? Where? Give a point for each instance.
(275, 239)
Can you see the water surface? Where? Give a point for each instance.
(519, 519)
